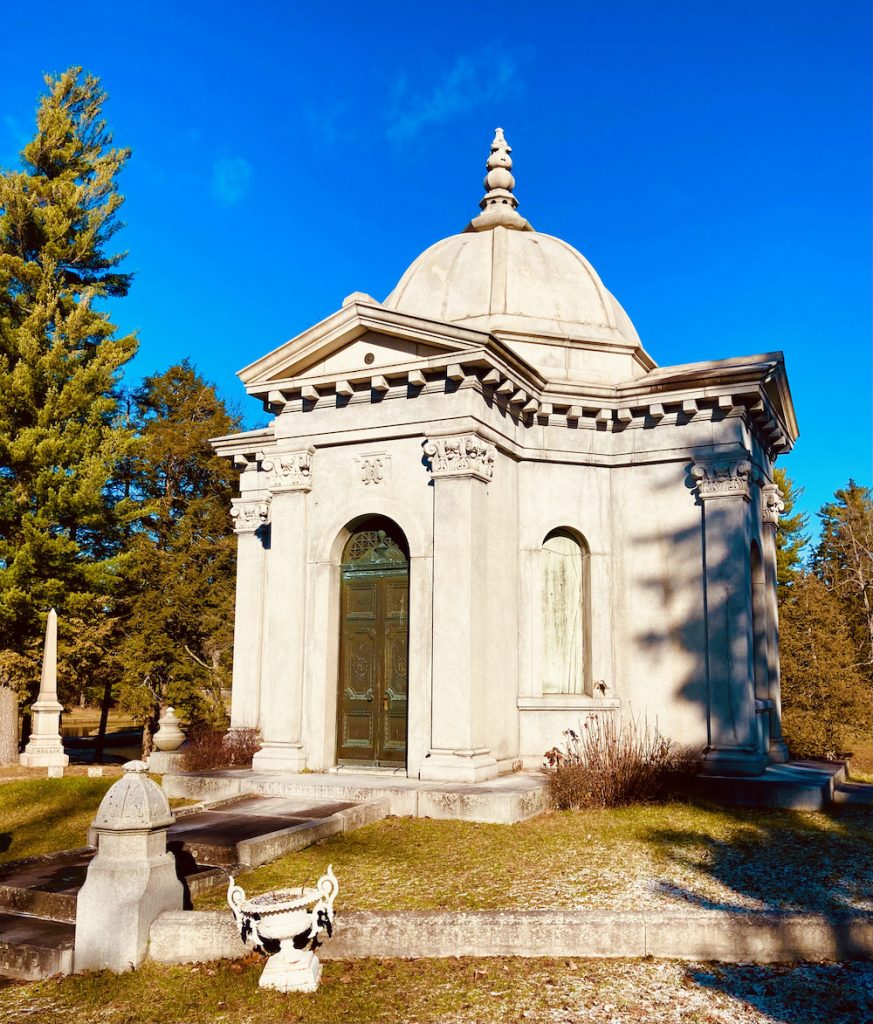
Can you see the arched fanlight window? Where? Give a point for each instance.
(564, 613)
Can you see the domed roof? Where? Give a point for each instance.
(502, 276)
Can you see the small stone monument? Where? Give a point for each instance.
(132, 878)
(166, 757)
(45, 749)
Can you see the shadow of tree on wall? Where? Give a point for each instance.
(770, 861)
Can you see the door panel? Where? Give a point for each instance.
(372, 711)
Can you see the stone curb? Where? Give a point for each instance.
(198, 936)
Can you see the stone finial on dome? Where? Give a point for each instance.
(498, 205)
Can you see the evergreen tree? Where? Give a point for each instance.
(822, 692)
(791, 538)
(844, 561)
(178, 622)
(60, 359)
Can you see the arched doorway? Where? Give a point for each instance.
(374, 640)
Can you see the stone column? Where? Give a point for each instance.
(733, 747)
(771, 507)
(132, 878)
(249, 517)
(281, 690)
(461, 468)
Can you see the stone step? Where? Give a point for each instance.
(859, 793)
(32, 948)
(795, 785)
(254, 829)
(45, 886)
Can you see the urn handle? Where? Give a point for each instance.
(235, 897)
(322, 912)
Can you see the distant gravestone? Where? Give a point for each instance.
(45, 749)
(55, 771)
(95, 772)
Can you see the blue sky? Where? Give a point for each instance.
(711, 160)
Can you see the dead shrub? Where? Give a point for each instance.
(208, 748)
(612, 762)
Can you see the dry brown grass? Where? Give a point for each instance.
(452, 991)
(653, 857)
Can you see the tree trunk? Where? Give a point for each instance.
(150, 727)
(104, 720)
(8, 725)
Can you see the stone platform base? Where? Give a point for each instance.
(163, 761)
(504, 800)
(795, 785)
(196, 936)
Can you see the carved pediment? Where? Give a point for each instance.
(358, 339)
(370, 352)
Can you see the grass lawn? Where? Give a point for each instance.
(654, 857)
(458, 991)
(40, 815)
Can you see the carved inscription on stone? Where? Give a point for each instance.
(248, 515)
(290, 471)
(465, 455)
(373, 469)
(772, 504)
(724, 479)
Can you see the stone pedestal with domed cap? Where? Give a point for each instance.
(131, 880)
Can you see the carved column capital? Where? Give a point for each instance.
(289, 471)
(725, 478)
(772, 504)
(461, 455)
(248, 514)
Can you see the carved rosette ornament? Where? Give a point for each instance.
(723, 479)
(772, 504)
(290, 471)
(464, 455)
(249, 515)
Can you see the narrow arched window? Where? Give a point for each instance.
(564, 613)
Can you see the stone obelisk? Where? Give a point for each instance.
(45, 748)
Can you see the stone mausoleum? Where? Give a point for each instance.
(482, 511)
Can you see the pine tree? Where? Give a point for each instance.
(844, 560)
(822, 692)
(60, 358)
(791, 538)
(178, 622)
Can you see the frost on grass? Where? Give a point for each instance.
(658, 857)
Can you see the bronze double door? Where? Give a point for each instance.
(373, 675)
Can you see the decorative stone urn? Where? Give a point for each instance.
(169, 736)
(286, 925)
